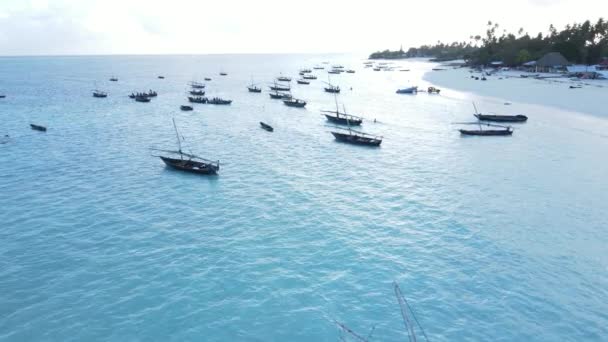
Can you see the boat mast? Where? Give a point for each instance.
(179, 143)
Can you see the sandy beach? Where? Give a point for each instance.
(591, 99)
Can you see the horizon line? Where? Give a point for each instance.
(176, 54)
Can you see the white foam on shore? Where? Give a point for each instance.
(591, 99)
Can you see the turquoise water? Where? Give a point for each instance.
(497, 239)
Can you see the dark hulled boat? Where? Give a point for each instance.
(501, 118)
(193, 164)
(332, 89)
(357, 138)
(280, 87)
(309, 77)
(207, 78)
(218, 101)
(197, 85)
(266, 127)
(113, 79)
(197, 92)
(223, 74)
(38, 128)
(293, 102)
(284, 79)
(142, 99)
(186, 108)
(99, 94)
(303, 81)
(335, 116)
(277, 95)
(197, 99)
(503, 131)
(254, 89)
(161, 77)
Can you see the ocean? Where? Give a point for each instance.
(489, 238)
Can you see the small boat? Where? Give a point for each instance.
(218, 101)
(309, 77)
(499, 118)
(305, 71)
(266, 127)
(223, 74)
(197, 99)
(335, 116)
(138, 94)
(161, 77)
(277, 95)
(280, 87)
(284, 79)
(186, 108)
(483, 78)
(99, 94)
(152, 93)
(433, 90)
(376, 69)
(303, 81)
(357, 138)
(2, 96)
(410, 90)
(293, 102)
(113, 79)
(331, 88)
(505, 130)
(575, 87)
(337, 67)
(207, 78)
(142, 99)
(253, 88)
(197, 85)
(38, 128)
(350, 71)
(404, 70)
(193, 164)
(334, 71)
(197, 92)
(318, 67)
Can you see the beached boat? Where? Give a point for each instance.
(197, 92)
(293, 102)
(433, 90)
(196, 85)
(357, 138)
(502, 131)
(188, 162)
(197, 99)
(100, 94)
(38, 128)
(303, 81)
(218, 101)
(186, 108)
(410, 90)
(266, 127)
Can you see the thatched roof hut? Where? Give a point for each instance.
(552, 60)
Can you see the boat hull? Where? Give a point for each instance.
(38, 128)
(356, 140)
(266, 127)
(343, 121)
(502, 118)
(487, 132)
(191, 166)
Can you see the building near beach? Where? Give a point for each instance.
(552, 62)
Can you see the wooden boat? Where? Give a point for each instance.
(197, 92)
(152, 93)
(305, 71)
(335, 116)
(376, 69)
(99, 94)
(142, 99)
(223, 74)
(410, 90)
(331, 88)
(189, 162)
(433, 90)
(318, 67)
(284, 79)
(277, 95)
(38, 128)
(186, 108)
(309, 77)
(207, 78)
(357, 138)
(197, 99)
(501, 118)
(197, 85)
(503, 131)
(303, 81)
(404, 70)
(350, 71)
(218, 101)
(334, 71)
(266, 127)
(113, 79)
(2, 96)
(575, 87)
(161, 77)
(280, 87)
(253, 88)
(293, 102)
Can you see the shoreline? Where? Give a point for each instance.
(510, 87)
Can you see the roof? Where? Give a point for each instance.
(552, 59)
(530, 63)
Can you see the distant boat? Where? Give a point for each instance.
(433, 90)
(186, 108)
(303, 81)
(197, 85)
(223, 74)
(277, 95)
(142, 99)
(293, 102)
(161, 77)
(357, 138)
(207, 78)
(284, 79)
(147, 95)
(350, 71)
(197, 99)
(193, 164)
(305, 71)
(575, 87)
(218, 101)
(410, 90)
(341, 118)
(376, 69)
(499, 118)
(279, 87)
(504, 130)
(197, 92)
(332, 88)
(334, 71)
(99, 94)
(113, 79)
(152, 93)
(253, 88)
(404, 70)
(318, 67)
(309, 77)
(2, 96)
(266, 127)
(38, 128)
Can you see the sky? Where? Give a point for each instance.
(77, 27)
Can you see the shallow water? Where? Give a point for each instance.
(498, 239)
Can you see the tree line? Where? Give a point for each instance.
(583, 43)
